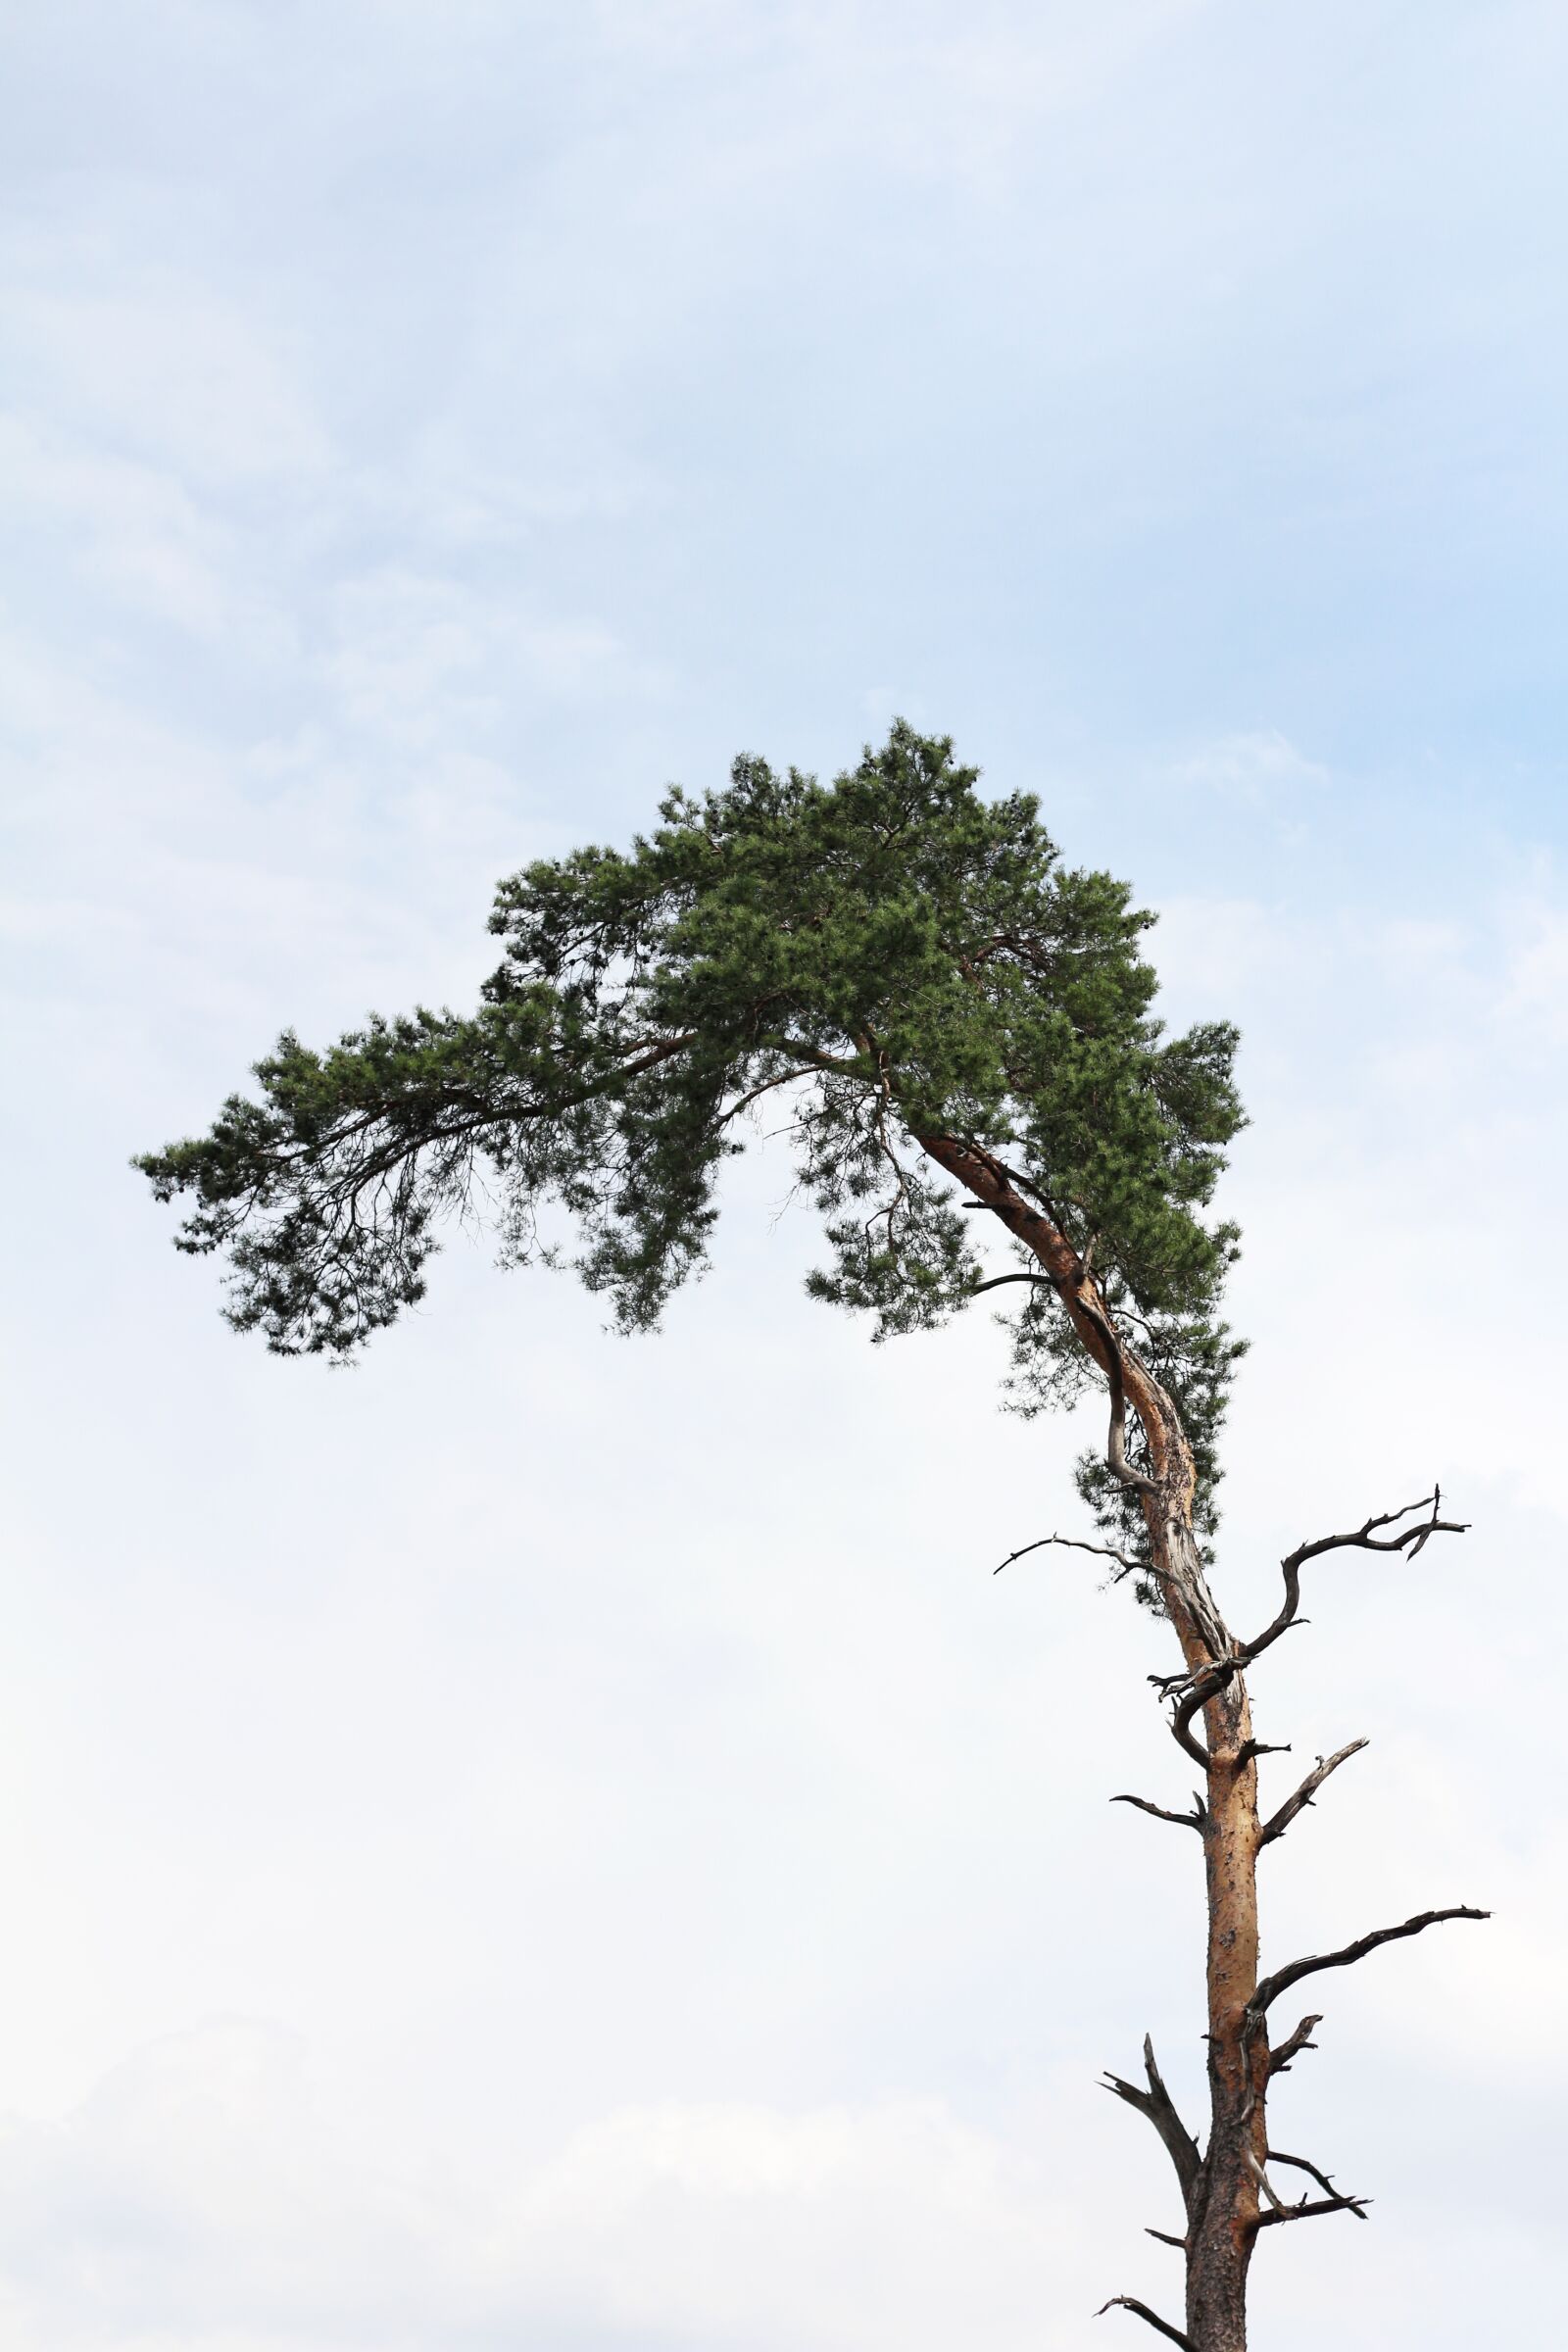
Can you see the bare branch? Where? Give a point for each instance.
(1316, 2205)
(755, 1094)
(1107, 1551)
(1200, 1688)
(1365, 1538)
(1281, 1821)
(1131, 2303)
(1279, 2060)
(1116, 1442)
(1187, 1743)
(1264, 2182)
(1198, 1820)
(1156, 2103)
(1165, 2238)
(1270, 1988)
(1335, 2196)
(996, 1280)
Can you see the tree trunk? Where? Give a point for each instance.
(1220, 2190)
(1223, 2214)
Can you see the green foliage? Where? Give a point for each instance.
(891, 955)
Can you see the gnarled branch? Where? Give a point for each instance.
(1279, 2060)
(1131, 2303)
(1270, 1988)
(1198, 1690)
(1156, 2103)
(1116, 1442)
(1365, 1538)
(1184, 1739)
(1278, 1822)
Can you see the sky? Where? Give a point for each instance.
(555, 1842)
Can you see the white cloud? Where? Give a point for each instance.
(1534, 998)
(193, 381)
(1257, 766)
(197, 2198)
(141, 536)
(683, 1878)
(420, 659)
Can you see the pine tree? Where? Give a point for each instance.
(961, 1029)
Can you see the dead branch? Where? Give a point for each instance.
(1325, 2182)
(1279, 2060)
(1196, 1820)
(1270, 1988)
(1165, 2238)
(1200, 1688)
(1281, 1821)
(1264, 2182)
(1197, 1690)
(1116, 1442)
(1187, 1744)
(755, 1093)
(1156, 2103)
(1309, 2206)
(1131, 2303)
(1107, 1551)
(1364, 1537)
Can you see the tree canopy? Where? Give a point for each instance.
(897, 957)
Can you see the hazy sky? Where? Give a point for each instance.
(545, 1842)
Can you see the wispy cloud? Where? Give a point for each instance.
(1262, 768)
(429, 429)
(195, 2197)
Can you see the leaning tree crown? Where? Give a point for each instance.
(959, 1030)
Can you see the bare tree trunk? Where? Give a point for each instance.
(1226, 2187)
(1223, 2213)
(1221, 2189)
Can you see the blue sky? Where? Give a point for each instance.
(498, 1857)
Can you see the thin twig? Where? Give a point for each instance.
(1198, 1820)
(1106, 1551)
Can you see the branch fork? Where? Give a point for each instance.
(1157, 2104)
(1410, 1542)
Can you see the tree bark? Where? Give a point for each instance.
(1223, 2222)
(1222, 2196)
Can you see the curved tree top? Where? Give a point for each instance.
(893, 966)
